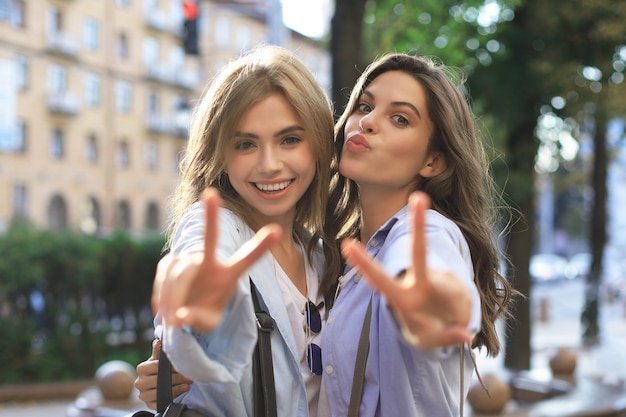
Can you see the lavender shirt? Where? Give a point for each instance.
(400, 380)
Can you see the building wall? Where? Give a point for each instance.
(158, 75)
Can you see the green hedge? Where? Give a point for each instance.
(70, 302)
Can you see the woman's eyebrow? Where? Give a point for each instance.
(395, 103)
(281, 132)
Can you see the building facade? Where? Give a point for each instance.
(95, 102)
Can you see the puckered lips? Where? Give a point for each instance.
(356, 142)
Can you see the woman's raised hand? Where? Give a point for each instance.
(194, 289)
(432, 307)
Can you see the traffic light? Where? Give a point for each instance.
(190, 27)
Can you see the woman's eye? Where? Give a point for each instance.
(291, 140)
(401, 120)
(363, 107)
(244, 145)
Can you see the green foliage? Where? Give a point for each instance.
(95, 293)
(427, 27)
(525, 54)
(17, 271)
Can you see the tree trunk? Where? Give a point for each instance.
(345, 49)
(518, 330)
(522, 149)
(589, 316)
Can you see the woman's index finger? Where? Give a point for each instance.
(212, 202)
(418, 205)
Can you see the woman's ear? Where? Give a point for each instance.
(435, 165)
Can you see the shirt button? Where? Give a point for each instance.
(329, 369)
(372, 242)
(330, 320)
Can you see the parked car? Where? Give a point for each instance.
(546, 267)
(578, 266)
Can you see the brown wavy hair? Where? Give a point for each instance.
(465, 192)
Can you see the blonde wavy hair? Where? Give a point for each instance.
(241, 84)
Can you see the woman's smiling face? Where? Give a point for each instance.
(270, 160)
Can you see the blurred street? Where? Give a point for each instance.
(560, 327)
(560, 304)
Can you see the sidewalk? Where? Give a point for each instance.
(607, 360)
(35, 409)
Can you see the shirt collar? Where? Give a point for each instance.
(378, 239)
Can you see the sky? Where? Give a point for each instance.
(309, 17)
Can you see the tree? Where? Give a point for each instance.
(589, 39)
(499, 83)
(521, 58)
(346, 49)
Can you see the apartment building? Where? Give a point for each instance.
(95, 98)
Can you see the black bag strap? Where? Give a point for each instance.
(359, 365)
(262, 368)
(164, 382)
(262, 365)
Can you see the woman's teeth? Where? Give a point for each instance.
(273, 187)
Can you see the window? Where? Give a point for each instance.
(150, 52)
(57, 213)
(152, 155)
(19, 200)
(244, 38)
(5, 9)
(19, 143)
(13, 140)
(21, 71)
(123, 3)
(56, 144)
(123, 159)
(90, 216)
(92, 90)
(123, 217)
(152, 217)
(54, 20)
(8, 106)
(177, 60)
(19, 13)
(13, 11)
(123, 96)
(91, 151)
(153, 103)
(222, 31)
(91, 34)
(182, 116)
(57, 79)
(150, 5)
(178, 159)
(121, 46)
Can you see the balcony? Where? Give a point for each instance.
(157, 20)
(187, 79)
(63, 103)
(62, 43)
(176, 125)
(156, 123)
(160, 73)
(176, 77)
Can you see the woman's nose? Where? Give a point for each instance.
(366, 124)
(269, 161)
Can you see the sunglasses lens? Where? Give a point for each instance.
(313, 319)
(314, 358)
